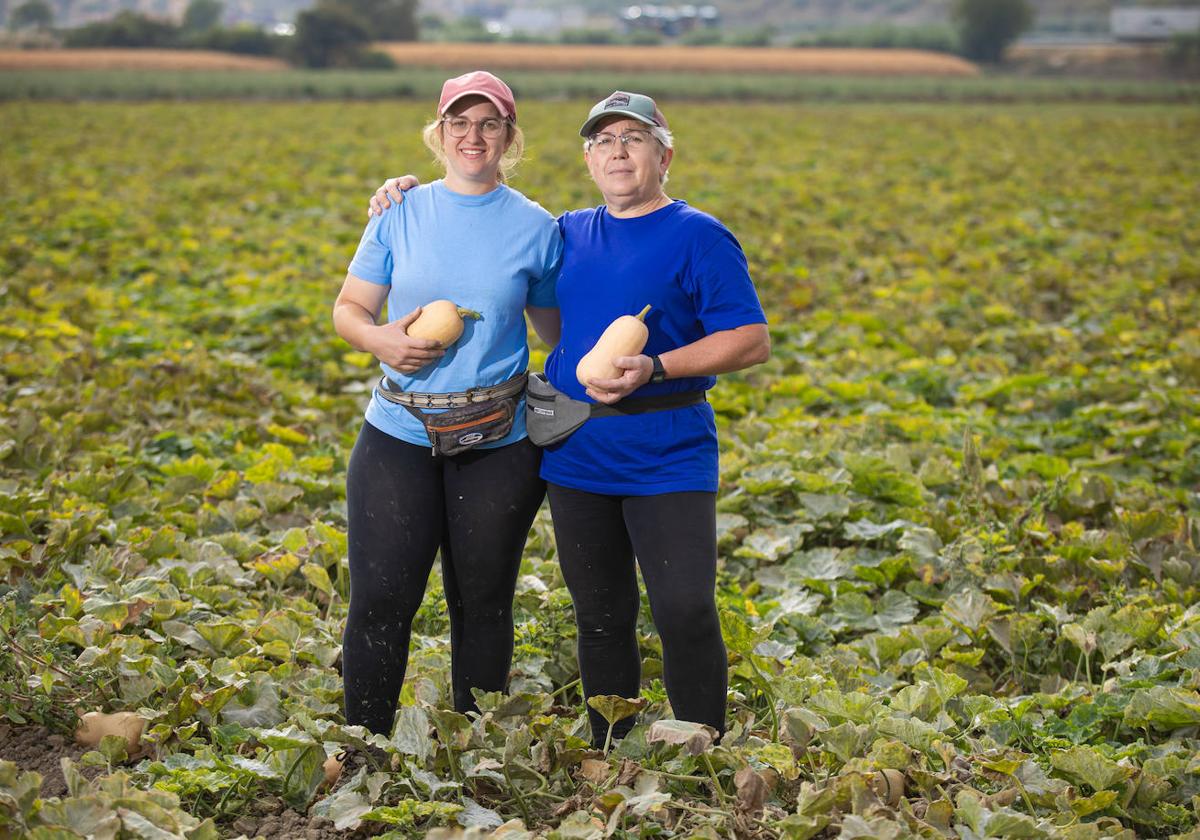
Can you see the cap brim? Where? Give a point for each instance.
(614, 112)
(488, 96)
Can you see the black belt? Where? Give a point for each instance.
(644, 405)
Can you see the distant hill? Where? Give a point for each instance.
(786, 17)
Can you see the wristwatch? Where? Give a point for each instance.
(658, 374)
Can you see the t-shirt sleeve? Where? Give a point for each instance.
(541, 288)
(720, 285)
(373, 259)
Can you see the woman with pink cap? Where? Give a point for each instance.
(442, 462)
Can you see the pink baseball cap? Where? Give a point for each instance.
(479, 83)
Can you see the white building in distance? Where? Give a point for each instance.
(1146, 23)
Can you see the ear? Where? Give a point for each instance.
(668, 154)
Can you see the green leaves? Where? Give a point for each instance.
(740, 637)
(411, 735)
(1163, 708)
(855, 611)
(969, 610)
(1084, 764)
(957, 538)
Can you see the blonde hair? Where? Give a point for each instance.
(432, 135)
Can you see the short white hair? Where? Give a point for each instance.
(663, 135)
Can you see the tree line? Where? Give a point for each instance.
(334, 33)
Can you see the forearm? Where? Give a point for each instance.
(355, 325)
(720, 352)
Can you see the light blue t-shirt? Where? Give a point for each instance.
(494, 253)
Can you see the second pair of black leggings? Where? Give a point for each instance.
(673, 538)
(403, 505)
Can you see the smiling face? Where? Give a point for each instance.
(627, 176)
(473, 161)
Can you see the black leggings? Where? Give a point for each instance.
(403, 505)
(673, 536)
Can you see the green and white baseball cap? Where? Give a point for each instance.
(622, 103)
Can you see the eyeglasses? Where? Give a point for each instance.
(489, 127)
(634, 139)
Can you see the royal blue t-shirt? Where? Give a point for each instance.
(494, 253)
(693, 273)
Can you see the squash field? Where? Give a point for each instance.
(960, 506)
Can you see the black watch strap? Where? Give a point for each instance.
(658, 374)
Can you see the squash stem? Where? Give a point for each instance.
(463, 312)
(641, 316)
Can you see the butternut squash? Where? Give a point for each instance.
(441, 321)
(332, 768)
(889, 785)
(625, 336)
(95, 725)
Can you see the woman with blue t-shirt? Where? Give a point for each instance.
(638, 489)
(442, 460)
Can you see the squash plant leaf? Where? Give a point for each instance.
(614, 708)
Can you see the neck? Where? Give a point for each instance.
(465, 186)
(628, 208)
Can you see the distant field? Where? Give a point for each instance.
(680, 59)
(424, 84)
(534, 57)
(1126, 61)
(133, 60)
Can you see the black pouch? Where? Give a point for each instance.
(456, 430)
(550, 415)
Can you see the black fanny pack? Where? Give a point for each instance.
(551, 416)
(470, 418)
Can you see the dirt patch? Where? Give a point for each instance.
(36, 748)
(1123, 61)
(803, 61)
(272, 820)
(133, 60)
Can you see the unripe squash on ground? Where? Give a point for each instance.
(332, 768)
(889, 785)
(625, 336)
(441, 321)
(93, 726)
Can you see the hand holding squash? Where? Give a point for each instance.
(635, 372)
(393, 346)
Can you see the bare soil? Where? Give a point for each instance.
(272, 820)
(814, 61)
(139, 59)
(1124, 61)
(37, 749)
